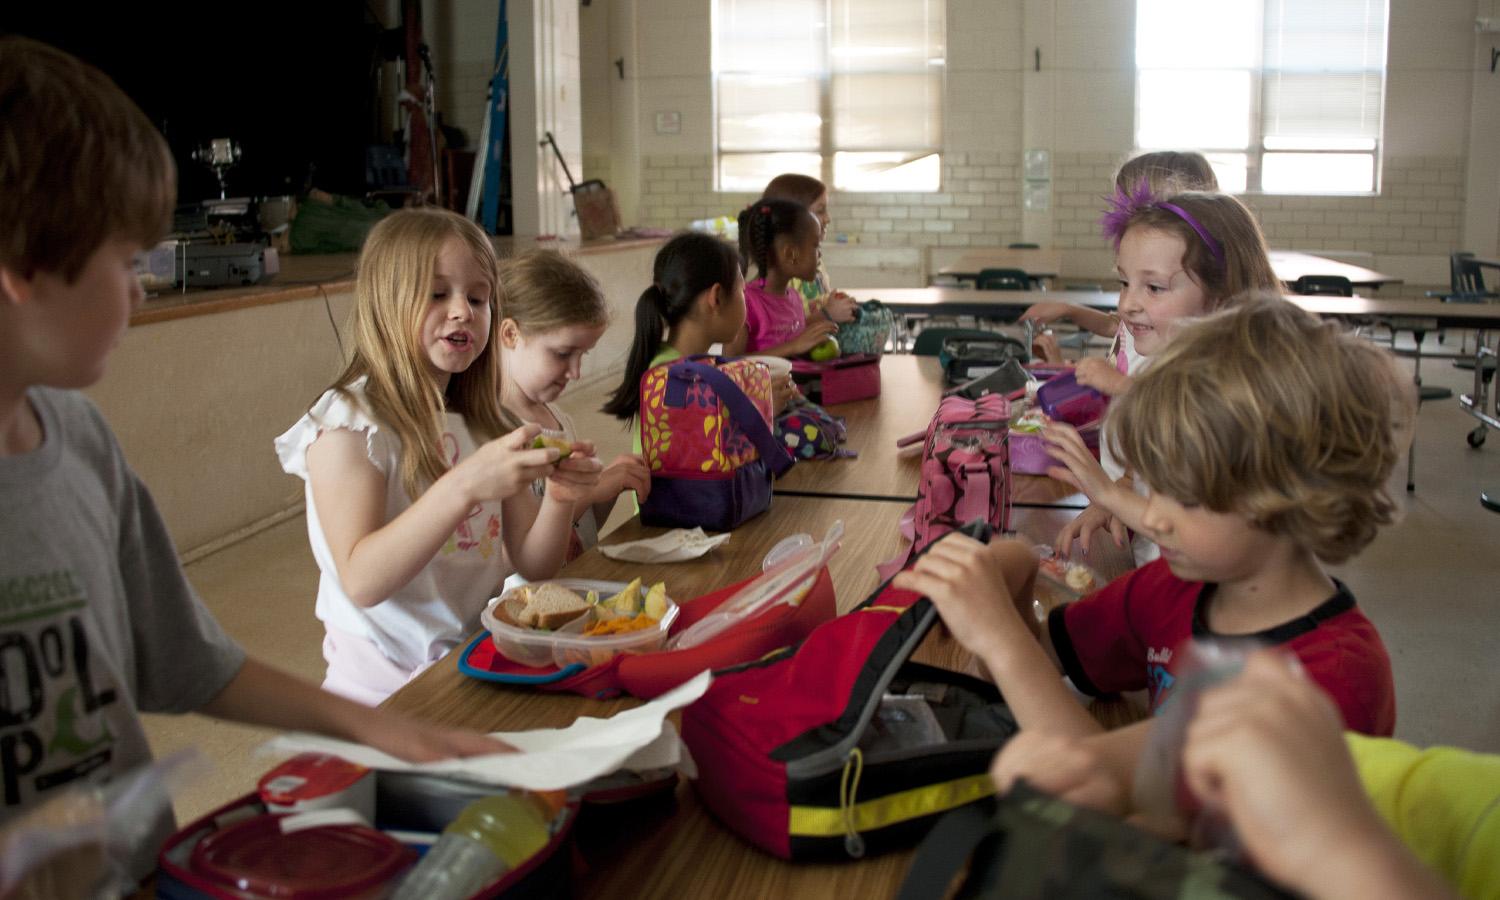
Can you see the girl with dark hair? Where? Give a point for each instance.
(781, 239)
(817, 294)
(696, 299)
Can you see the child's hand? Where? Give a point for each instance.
(626, 472)
(840, 307)
(967, 582)
(1097, 373)
(1068, 768)
(782, 393)
(1079, 467)
(1268, 750)
(1084, 525)
(414, 741)
(1046, 312)
(503, 467)
(812, 336)
(1045, 346)
(574, 479)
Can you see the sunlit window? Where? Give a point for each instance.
(1282, 97)
(847, 91)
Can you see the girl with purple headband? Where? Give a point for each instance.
(1165, 173)
(1178, 257)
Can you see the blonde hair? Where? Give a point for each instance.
(1247, 262)
(392, 292)
(543, 290)
(1267, 411)
(1167, 172)
(80, 163)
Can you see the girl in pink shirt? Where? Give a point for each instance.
(781, 238)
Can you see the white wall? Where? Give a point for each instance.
(1442, 115)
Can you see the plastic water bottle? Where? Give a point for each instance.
(490, 837)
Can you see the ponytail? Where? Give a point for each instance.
(686, 266)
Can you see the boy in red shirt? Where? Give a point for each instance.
(1266, 437)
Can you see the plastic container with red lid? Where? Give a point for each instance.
(256, 859)
(311, 781)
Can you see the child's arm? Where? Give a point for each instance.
(537, 533)
(810, 337)
(261, 695)
(1097, 373)
(627, 472)
(374, 557)
(1268, 749)
(1101, 323)
(984, 595)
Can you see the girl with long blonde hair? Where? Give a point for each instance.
(417, 507)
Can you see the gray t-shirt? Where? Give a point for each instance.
(97, 621)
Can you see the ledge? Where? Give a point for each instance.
(309, 276)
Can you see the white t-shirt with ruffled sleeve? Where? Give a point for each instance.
(434, 611)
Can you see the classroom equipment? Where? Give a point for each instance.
(706, 437)
(598, 216)
(841, 746)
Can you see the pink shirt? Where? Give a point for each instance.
(771, 319)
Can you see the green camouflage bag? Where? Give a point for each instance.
(1030, 845)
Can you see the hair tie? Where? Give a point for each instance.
(1124, 205)
(765, 209)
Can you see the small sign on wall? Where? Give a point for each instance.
(669, 122)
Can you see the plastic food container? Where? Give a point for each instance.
(567, 645)
(780, 368)
(311, 781)
(1064, 399)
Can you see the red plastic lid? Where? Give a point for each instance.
(329, 861)
(307, 776)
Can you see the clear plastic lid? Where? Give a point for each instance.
(787, 580)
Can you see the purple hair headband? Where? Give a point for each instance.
(1124, 205)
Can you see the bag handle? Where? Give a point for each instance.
(743, 412)
(946, 850)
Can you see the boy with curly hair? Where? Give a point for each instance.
(1266, 437)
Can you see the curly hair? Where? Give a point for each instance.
(1267, 411)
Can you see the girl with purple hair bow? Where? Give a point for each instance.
(1178, 257)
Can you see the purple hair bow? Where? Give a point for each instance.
(1124, 205)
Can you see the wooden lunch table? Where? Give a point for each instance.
(670, 846)
(910, 389)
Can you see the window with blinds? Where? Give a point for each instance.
(1282, 96)
(847, 91)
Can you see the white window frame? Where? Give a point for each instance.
(928, 153)
(1259, 145)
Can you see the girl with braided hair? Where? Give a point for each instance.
(781, 239)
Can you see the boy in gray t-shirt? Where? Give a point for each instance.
(97, 621)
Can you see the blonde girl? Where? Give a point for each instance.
(1178, 258)
(1166, 172)
(553, 313)
(817, 295)
(416, 500)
